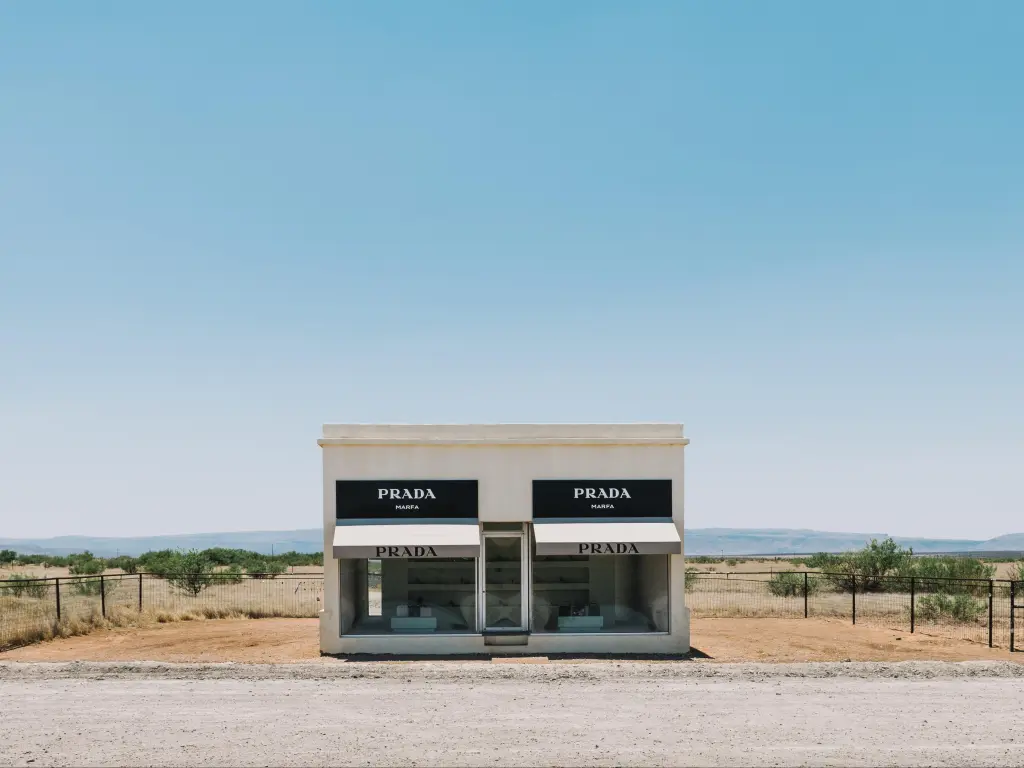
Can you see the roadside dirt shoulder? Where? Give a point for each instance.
(255, 641)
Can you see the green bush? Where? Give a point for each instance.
(300, 558)
(47, 561)
(125, 563)
(230, 575)
(823, 561)
(933, 574)
(732, 562)
(963, 608)
(8, 556)
(265, 568)
(880, 560)
(90, 586)
(1017, 572)
(691, 583)
(161, 562)
(189, 572)
(789, 584)
(85, 565)
(871, 569)
(19, 585)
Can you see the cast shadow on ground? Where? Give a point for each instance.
(694, 654)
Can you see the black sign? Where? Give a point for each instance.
(383, 499)
(602, 498)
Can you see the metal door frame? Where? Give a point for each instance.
(524, 573)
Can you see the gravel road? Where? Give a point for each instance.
(482, 713)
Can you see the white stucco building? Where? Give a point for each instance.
(457, 539)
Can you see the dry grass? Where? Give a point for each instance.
(28, 619)
(51, 629)
(748, 596)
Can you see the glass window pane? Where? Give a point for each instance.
(600, 593)
(417, 596)
(373, 599)
(503, 559)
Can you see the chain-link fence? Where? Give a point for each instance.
(38, 609)
(978, 610)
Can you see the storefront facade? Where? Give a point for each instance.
(456, 539)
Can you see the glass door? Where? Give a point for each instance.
(503, 582)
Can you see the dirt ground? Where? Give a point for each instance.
(716, 640)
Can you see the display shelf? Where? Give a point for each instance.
(433, 587)
(566, 585)
(573, 564)
(413, 624)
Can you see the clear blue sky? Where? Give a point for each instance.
(796, 227)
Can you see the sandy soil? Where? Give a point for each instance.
(452, 713)
(721, 640)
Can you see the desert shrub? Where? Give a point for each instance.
(47, 561)
(880, 560)
(946, 567)
(125, 563)
(265, 568)
(161, 562)
(89, 586)
(823, 561)
(24, 586)
(1017, 572)
(189, 572)
(223, 557)
(871, 569)
(691, 582)
(85, 565)
(732, 562)
(301, 558)
(789, 584)
(8, 556)
(230, 575)
(940, 606)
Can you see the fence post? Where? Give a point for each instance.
(913, 606)
(805, 594)
(853, 592)
(140, 593)
(56, 584)
(1013, 605)
(103, 597)
(990, 589)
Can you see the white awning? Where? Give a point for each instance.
(412, 540)
(607, 538)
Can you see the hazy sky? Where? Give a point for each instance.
(796, 227)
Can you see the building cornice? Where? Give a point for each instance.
(326, 442)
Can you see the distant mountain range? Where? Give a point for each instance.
(698, 541)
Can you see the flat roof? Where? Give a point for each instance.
(642, 432)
